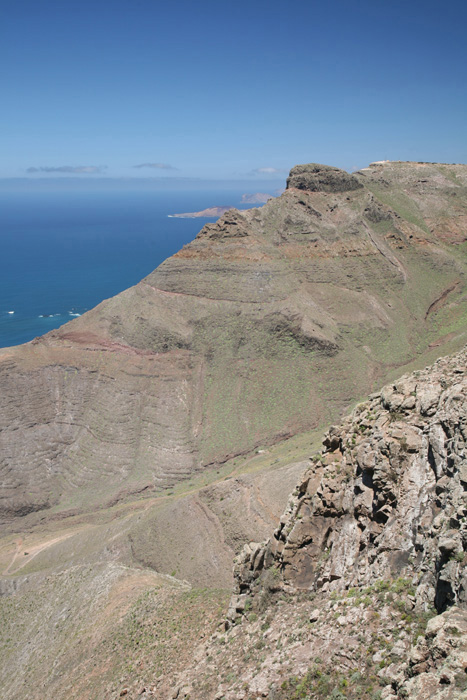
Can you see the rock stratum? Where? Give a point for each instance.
(268, 324)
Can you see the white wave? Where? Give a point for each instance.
(71, 313)
(10, 312)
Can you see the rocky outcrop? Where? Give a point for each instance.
(386, 498)
(437, 667)
(372, 552)
(314, 177)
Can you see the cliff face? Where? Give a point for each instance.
(387, 497)
(380, 516)
(361, 591)
(268, 324)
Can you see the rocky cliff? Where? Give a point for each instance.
(361, 591)
(386, 497)
(268, 324)
(380, 516)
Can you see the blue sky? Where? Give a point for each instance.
(228, 90)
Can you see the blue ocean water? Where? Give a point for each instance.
(61, 253)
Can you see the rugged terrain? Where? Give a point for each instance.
(142, 444)
(361, 592)
(268, 324)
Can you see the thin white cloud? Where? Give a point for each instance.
(268, 171)
(74, 169)
(156, 166)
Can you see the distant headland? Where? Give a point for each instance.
(215, 212)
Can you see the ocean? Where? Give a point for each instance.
(64, 252)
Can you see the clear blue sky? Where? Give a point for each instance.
(225, 89)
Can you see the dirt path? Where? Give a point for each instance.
(15, 554)
(32, 552)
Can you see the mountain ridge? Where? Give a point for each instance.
(248, 303)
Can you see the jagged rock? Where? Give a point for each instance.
(438, 662)
(314, 615)
(390, 502)
(383, 508)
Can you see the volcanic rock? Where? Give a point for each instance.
(385, 498)
(321, 178)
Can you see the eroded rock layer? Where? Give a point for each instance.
(269, 323)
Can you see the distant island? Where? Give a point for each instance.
(210, 212)
(215, 212)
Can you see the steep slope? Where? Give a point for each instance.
(95, 604)
(269, 323)
(361, 592)
(387, 497)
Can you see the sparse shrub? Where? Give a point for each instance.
(337, 695)
(460, 680)
(396, 415)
